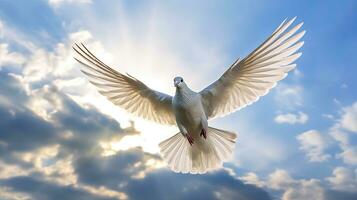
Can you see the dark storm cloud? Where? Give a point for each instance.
(333, 194)
(88, 126)
(42, 190)
(116, 170)
(11, 89)
(86, 121)
(21, 130)
(109, 171)
(164, 184)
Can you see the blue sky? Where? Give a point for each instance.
(59, 139)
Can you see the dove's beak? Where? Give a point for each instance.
(176, 83)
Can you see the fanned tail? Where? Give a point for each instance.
(202, 156)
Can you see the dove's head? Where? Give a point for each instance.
(178, 82)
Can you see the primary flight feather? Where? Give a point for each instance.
(198, 148)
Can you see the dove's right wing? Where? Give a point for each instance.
(248, 79)
(126, 91)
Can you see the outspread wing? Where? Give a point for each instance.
(248, 79)
(126, 91)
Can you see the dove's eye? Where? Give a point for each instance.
(181, 80)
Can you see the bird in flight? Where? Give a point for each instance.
(198, 148)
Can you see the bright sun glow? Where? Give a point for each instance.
(148, 139)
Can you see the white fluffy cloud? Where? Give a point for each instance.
(280, 179)
(313, 143)
(252, 178)
(9, 194)
(343, 179)
(349, 151)
(290, 118)
(305, 189)
(295, 189)
(9, 58)
(349, 155)
(290, 188)
(289, 96)
(349, 118)
(341, 136)
(46, 65)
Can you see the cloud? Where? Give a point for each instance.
(349, 118)
(48, 150)
(9, 58)
(160, 183)
(44, 65)
(342, 185)
(334, 194)
(1, 29)
(349, 151)
(306, 189)
(349, 155)
(328, 116)
(39, 189)
(280, 179)
(295, 189)
(217, 185)
(62, 157)
(290, 118)
(56, 66)
(339, 135)
(343, 179)
(8, 194)
(313, 143)
(290, 188)
(289, 96)
(252, 178)
(15, 137)
(56, 3)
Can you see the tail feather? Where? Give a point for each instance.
(203, 155)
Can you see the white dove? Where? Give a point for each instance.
(198, 148)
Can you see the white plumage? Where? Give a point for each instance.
(198, 148)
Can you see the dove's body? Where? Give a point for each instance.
(205, 147)
(189, 112)
(198, 147)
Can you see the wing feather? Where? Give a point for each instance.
(248, 79)
(124, 90)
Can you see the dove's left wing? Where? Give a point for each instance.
(248, 79)
(126, 91)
